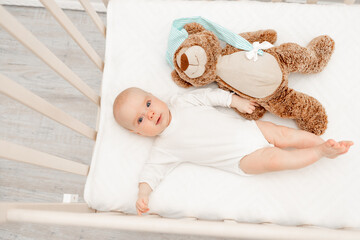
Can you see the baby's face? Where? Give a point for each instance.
(142, 113)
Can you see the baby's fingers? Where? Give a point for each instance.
(254, 104)
(142, 207)
(250, 110)
(138, 212)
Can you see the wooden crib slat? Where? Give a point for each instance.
(349, 2)
(94, 16)
(29, 99)
(27, 155)
(24, 36)
(68, 25)
(106, 2)
(175, 226)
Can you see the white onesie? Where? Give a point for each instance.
(200, 134)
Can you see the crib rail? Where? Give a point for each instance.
(157, 224)
(15, 91)
(66, 23)
(17, 30)
(63, 207)
(24, 96)
(94, 16)
(316, 1)
(27, 155)
(106, 2)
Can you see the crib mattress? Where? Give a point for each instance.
(324, 194)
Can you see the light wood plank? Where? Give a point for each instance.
(67, 24)
(94, 16)
(349, 2)
(63, 207)
(198, 227)
(27, 155)
(106, 2)
(24, 96)
(16, 29)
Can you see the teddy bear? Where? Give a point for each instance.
(200, 60)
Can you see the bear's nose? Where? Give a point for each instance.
(184, 62)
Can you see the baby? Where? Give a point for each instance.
(190, 129)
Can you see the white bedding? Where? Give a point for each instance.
(326, 193)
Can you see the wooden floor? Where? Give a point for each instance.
(21, 125)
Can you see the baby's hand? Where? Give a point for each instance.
(142, 205)
(243, 105)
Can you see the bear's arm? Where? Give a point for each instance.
(181, 83)
(257, 36)
(260, 36)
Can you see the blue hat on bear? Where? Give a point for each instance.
(178, 34)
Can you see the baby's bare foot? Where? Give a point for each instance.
(332, 149)
(346, 144)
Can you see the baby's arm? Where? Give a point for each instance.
(217, 97)
(151, 176)
(143, 198)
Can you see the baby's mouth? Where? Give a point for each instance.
(158, 121)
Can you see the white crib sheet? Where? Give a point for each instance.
(326, 193)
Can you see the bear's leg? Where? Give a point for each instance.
(307, 112)
(311, 59)
(256, 115)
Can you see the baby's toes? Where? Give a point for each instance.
(337, 146)
(343, 149)
(330, 143)
(347, 143)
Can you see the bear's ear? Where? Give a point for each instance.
(181, 83)
(192, 28)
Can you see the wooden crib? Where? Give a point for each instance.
(71, 213)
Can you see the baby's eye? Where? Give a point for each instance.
(148, 103)
(140, 120)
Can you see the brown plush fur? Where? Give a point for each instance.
(285, 102)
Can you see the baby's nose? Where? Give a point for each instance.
(151, 114)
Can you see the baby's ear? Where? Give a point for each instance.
(194, 28)
(181, 83)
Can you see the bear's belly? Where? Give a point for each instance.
(257, 79)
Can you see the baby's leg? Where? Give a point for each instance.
(275, 159)
(284, 137)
